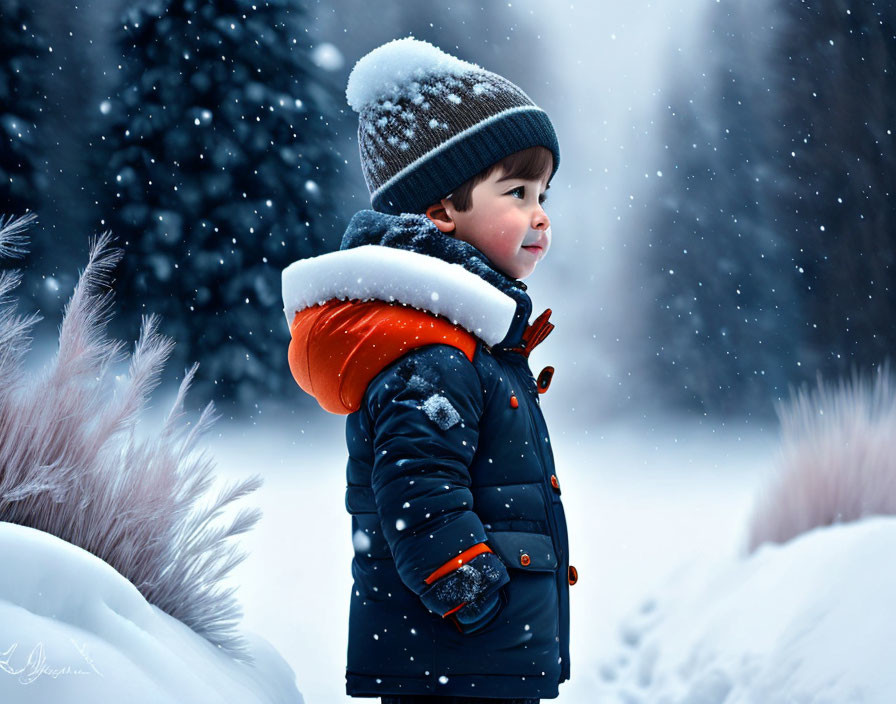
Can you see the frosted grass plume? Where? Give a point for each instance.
(837, 461)
(71, 463)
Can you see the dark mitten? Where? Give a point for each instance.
(480, 612)
(482, 576)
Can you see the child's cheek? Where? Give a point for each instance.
(504, 234)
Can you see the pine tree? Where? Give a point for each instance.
(720, 272)
(835, 166)
(219, 165)
(21, 182)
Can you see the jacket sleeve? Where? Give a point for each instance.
(424, 411)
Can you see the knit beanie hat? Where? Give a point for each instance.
(429, 122)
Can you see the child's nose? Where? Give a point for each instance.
(540, 221)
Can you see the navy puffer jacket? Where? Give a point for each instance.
(461, 568)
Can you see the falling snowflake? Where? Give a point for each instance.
(361, 541)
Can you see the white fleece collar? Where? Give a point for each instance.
(389, 274)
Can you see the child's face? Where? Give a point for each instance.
(506, 222)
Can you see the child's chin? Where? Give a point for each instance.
(527, 270)
(518, 270)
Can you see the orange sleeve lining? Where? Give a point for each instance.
(456, 562)
(456, 608)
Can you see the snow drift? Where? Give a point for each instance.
(75, 630)
(808, 621)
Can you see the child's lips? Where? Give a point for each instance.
(534, 248)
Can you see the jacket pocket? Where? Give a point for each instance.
(522, 640)
(529, 552)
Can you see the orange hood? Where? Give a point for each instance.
(338, 347)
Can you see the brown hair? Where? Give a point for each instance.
(528, 164)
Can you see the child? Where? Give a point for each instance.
(417, 329)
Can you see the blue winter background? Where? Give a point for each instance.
(723, 236)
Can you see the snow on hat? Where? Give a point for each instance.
(429, 122)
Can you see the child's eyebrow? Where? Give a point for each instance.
(519, 178)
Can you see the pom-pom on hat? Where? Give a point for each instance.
(429, 122)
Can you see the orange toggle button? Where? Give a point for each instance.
(544, 379)
(513, 402)
(573, 575)
(524, 560)
(555, 482)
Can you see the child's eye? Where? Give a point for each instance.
(522, 191)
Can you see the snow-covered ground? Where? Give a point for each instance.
(641, 500)
(667, 609)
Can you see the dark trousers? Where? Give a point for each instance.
(425, 699)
